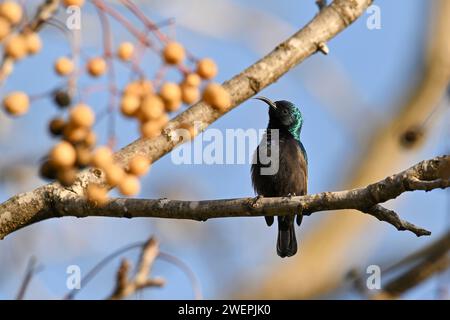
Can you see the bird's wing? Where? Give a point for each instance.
(302, 147)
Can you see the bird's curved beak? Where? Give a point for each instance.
(267, 100)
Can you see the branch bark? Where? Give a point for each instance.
(426, 175)
(24, 209)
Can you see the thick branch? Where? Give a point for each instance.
(365, 199)
(22, 210)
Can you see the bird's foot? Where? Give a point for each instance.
(299, 217)
(255, 200)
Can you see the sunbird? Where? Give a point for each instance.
(288, 155)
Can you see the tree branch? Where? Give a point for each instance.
(366, 199)
(24, 209)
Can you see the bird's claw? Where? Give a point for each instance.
(299, 218)
(254, 203)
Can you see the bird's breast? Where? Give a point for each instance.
(279, 168)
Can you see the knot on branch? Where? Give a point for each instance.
(436, 168)
(322, 47)
(345, 10)
(255, 84)
(375, 190)
(321, 4)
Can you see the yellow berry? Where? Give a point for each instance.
(33, 42)
(192, 79)
(56, 126)
(152, 107)
(189, 94)
(173, 53)
(16, 47)
(97, 194)
(170, 91)
(12, 11)
(82, 115)
(172, 105)
(90, 139)
(171, 94)
(64, 66)
(163, 120)
(150, 129)
(16, 103)
(125, 51)
(83, 156)
(69, 3)
(96, 66)
(139, 88)
(66, 176)
(129, 105)
(206, 68)
(102, 157)
(114, 174)
(75, 134)
(63, 155)
(5, 28)
(216, 96)
(129, 185)
(48, 171)
(139, 165)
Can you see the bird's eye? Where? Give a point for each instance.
(285, 111)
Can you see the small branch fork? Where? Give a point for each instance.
(126, 286)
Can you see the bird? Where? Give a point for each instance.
(291, 161)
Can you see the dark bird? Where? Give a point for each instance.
(280, 167)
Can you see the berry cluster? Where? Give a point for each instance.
(149, 101)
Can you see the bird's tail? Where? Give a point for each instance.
(286, 242)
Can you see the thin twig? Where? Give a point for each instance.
(142, 280)
(31, 270)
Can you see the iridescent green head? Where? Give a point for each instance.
(284, 115)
